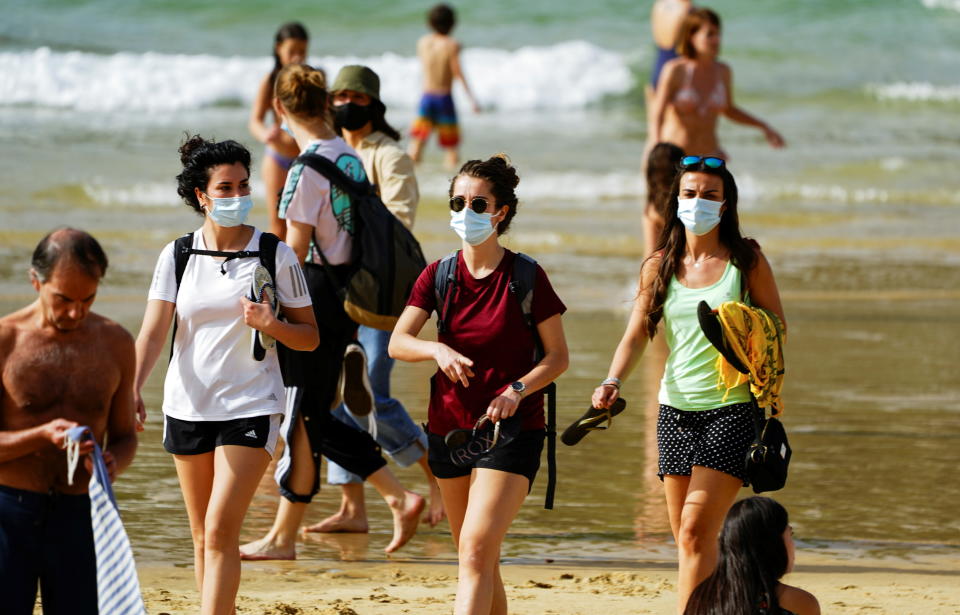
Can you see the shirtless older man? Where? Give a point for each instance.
(61, 365)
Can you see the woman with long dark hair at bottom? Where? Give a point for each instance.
(756, 550)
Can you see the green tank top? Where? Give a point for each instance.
(690, 375)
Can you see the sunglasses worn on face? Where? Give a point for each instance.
(477, 204)
(710, 161)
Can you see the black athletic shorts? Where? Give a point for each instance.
(717, 439)
(198, 437)
(518, 456)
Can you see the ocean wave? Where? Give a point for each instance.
(942, 4)
(576, 186)
(917, 91)
(610, 191)
(567, 75)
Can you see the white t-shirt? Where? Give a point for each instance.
(212, 375)
(309, 198)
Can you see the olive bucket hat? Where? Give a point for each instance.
(359, 79)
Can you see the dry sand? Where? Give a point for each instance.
(320, 587)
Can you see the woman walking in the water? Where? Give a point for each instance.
(486, 369)
(221, 406)
(319, 226)
(702, 434)
(694, 90)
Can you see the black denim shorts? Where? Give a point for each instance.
(518, 456)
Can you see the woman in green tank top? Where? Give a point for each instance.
(702, 438)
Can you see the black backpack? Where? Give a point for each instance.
(522, 282)
(183, 248)
(386, 258)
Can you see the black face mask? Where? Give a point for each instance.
(352, 116)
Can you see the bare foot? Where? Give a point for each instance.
(435, 513)
(406, 517)
(265, 548)
(340, 523)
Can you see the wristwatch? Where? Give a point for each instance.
(518, 387)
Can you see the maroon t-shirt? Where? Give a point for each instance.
(485, 324)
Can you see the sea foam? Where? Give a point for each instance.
(567, 75)
(917, 91)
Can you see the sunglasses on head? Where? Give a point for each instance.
(709, 161)
(478, 204)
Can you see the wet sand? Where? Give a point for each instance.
(560, 588)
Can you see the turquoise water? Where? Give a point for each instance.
(859, 217)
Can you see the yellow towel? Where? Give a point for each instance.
(756, 336)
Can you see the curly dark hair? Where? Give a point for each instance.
(198, 157)
(503, 180)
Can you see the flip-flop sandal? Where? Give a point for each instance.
(713, 330)
(591, 421)
(354, 383)
(261, 287)
(468, 445)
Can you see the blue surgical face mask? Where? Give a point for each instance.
(231, 211)
(700, 216)
(472, 227)
(286, 129)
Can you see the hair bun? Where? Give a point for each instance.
(509, 172)
(189, 146)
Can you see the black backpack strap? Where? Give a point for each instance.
(181, 254)
(444, 279)
(329, 169)
(550, 392)
(521, 286)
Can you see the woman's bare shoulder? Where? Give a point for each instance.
(798, 601)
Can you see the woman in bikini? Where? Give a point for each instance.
(694, 90)
(289, 47)
(756, 551)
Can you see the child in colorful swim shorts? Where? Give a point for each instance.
(439, 54)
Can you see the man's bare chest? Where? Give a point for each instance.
(42, 375)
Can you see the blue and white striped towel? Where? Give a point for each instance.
(118, 589)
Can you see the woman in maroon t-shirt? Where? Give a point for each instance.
(486, 366)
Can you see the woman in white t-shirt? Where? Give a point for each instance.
(320, 226)
(222, 408)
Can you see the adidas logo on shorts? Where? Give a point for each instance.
(251, 434)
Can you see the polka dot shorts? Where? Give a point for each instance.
(717, 439)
